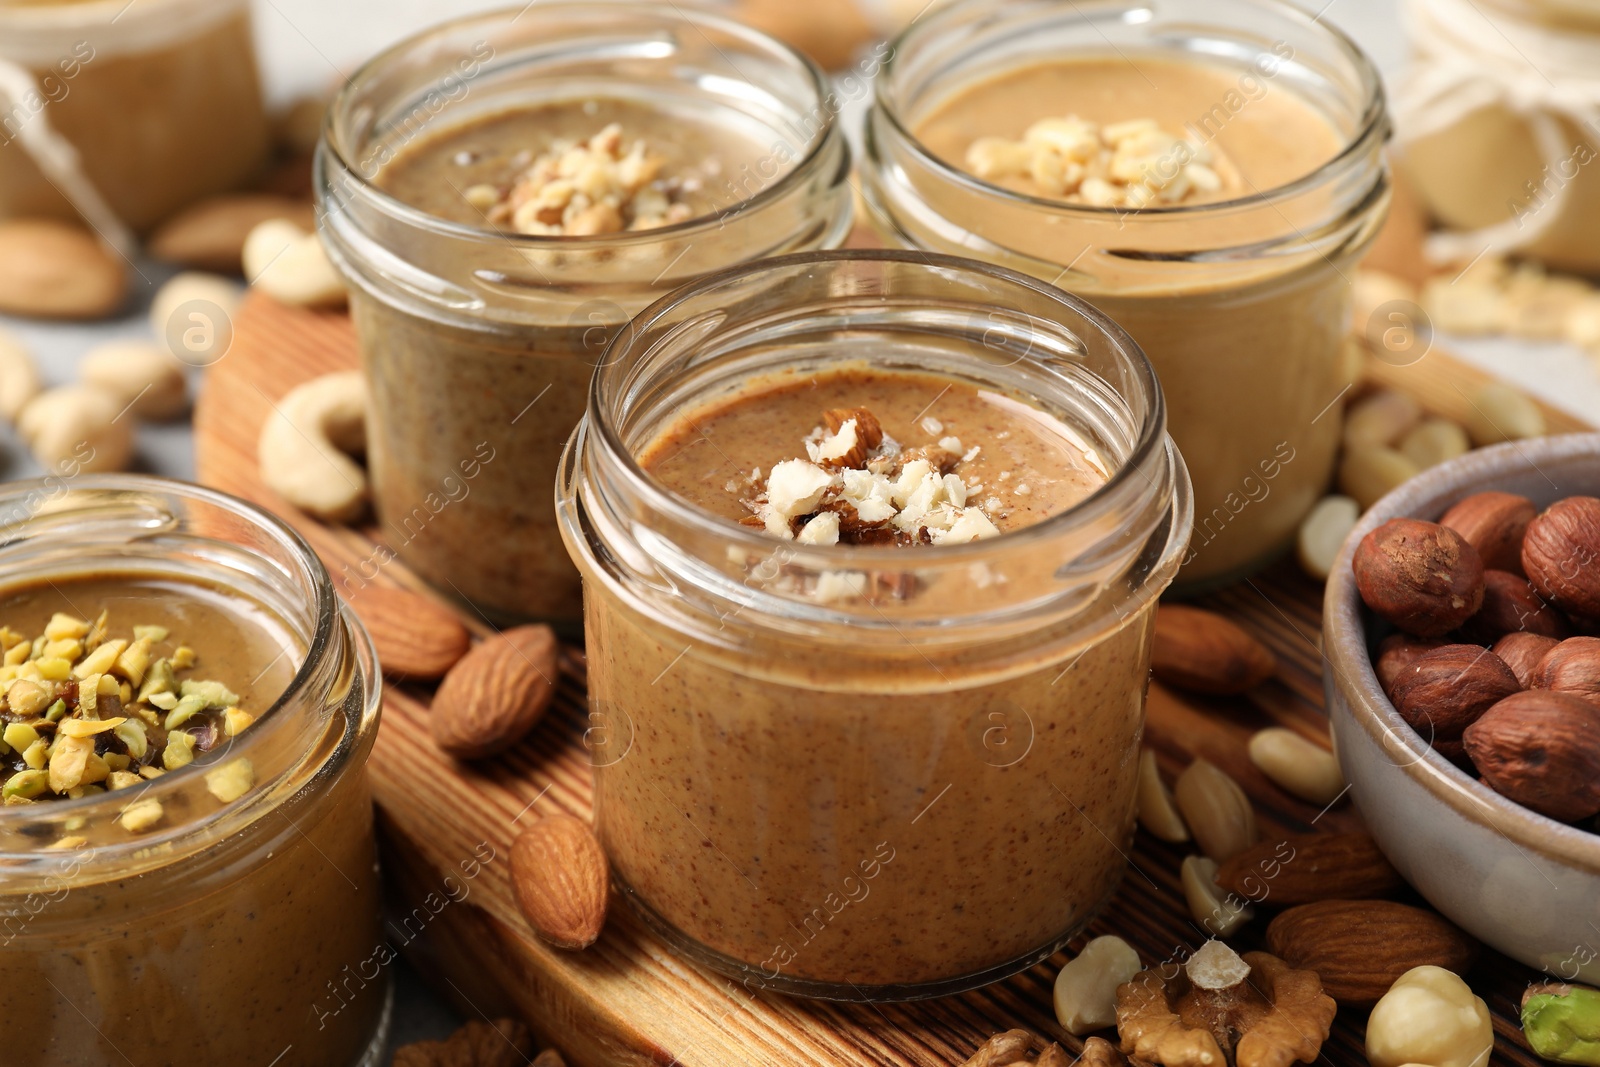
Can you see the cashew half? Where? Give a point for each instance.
(286, 263)
(76, 429)
(19, 376)
(304, 444)
(144, 375)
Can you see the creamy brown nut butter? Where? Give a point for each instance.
(870, 702)
(1211, 208)
(550, 213)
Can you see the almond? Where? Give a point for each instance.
(415, 637)
(1512, 605)
(53, 270)
(1309, 867)
(1359, 947)
(1422, 577)
(1443, 691)
(1522, 653)
(1494, 524)
(1541, 748)
(1202, 651)
(1561, 555)
(1572, 666)
(209, 235)
(496, 693)
(560, 877)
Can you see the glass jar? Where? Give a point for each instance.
(225, 933)
(1241, 304)
(1496, 112)
(853, 799)
(126, 112)
(479, 344)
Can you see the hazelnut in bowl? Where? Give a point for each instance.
(1461, 634)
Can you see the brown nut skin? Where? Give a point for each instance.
(1422, 577)
(1398, 651)
(1511, 604)
(496, 693)
(1561, 555)
(1522, 653)
(1541, 748)
(1573, 666)
(1204, 652)
(1359, 947)
(1494, 524)
(1444, 691)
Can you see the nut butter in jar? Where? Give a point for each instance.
(503, 193)
(1206, 173)
(186, 840)
(135, 109)
(871, 545)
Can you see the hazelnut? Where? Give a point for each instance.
(1396, 652)
(1442, 692)
(1511, 605)
(1422, 577)
(1494, 524)
(1573, 666)
(1560, 554)
(1541, 748)
(1522, 653)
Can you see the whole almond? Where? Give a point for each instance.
(1422, 577)
(1561, 555)
(1205, 652)
(1442, 692)
(1359, 947)
(560, 877)
(1398, 651)
(1522, 653)
(1572, 666)
(1512, 605)
(1309, 867)
(53, 270)
(415, 637)
(1541, 748)
(496, 693)
(1494, 524)
(209, 235)
(1218, 813)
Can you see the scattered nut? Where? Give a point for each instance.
(1429, 1016)
(1205, 652)
(1562, 1022)
(1304, 868)
(191, 290)
(1541, 748)
(146, 378)
(1522, 653)
(1396, 652)
(77, 427)
(1297, 766)
(1434, 441)
(1380, 419)
(1360, 947)
(306, 444)
(496, 1043)
(1502, 413)
(1322, 533)
(1494, 524)
(19, 376)
(1219, 912)
(1157, 812)
(1370, 472)
(1420, 576)
(415, 637)
(1216, 809)
(1086, 987)
(1002, 1050)
(210, 234)
(1442, 692)
(1466, 306)
(1561, 555)
(54, 270)
(496, 693)
(290, 265)
(1511, 605)
(560, 877)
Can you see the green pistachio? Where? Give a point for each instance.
(215, 694)
(186, 709)
(56, 711)
(1562, 1022)
(25, 784)
(158, 679)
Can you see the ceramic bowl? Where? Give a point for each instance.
(1520, 882)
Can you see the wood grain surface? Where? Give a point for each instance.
(448, 826)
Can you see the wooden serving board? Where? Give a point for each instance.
(448, 826)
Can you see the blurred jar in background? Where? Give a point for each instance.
(1498, 112)
(125, 111)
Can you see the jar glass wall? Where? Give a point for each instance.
(479, 342)
(140, 911)
(1242, 303)
(814, 794)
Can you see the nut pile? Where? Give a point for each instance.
(1487, 668)
(584, 189)
(1131, 164)
(84, 712)
(1494, 296)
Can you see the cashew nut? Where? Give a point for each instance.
(285, 262)
(192, 314)
(140, 374)
(304, 445)
(76, 429)
(19, 376)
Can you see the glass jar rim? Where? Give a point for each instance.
(1152, 432)
(1371, 122)
(698, 18)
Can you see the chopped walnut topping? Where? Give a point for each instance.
(585, 189)
(1125, 164)
(82, 713)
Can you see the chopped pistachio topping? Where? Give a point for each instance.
(84, 710)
